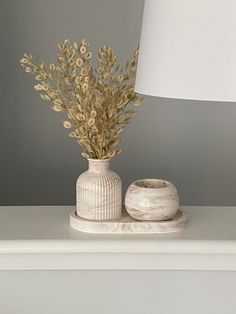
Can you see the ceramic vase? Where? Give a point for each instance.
(152, 199)
(99, 192)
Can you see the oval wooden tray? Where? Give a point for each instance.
(127, 225)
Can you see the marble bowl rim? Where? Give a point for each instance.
(168, 184)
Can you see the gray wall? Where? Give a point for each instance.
(190, 143)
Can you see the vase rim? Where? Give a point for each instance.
(100, 160)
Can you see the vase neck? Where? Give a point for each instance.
(99, 165)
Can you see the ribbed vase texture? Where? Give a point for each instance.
(99, 192)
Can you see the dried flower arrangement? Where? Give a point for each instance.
(94, 101)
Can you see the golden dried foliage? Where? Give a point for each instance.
(94, 101)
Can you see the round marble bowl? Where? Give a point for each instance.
(152, 199)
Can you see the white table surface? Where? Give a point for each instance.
(40, 238)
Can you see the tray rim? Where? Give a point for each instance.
(127, 225)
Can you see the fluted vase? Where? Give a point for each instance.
(99, 192)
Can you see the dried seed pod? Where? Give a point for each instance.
(57, 102)
(88, 55)
(91, 122)
(38, 87)
(57, 108)
(83, 49)
(93, 114)
(79, 62)
(72, 134)
(67, 124)
(44, 97)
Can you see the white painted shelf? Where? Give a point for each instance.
(40, 238)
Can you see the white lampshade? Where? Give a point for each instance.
(188, 50)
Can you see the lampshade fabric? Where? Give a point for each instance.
(188, 50)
